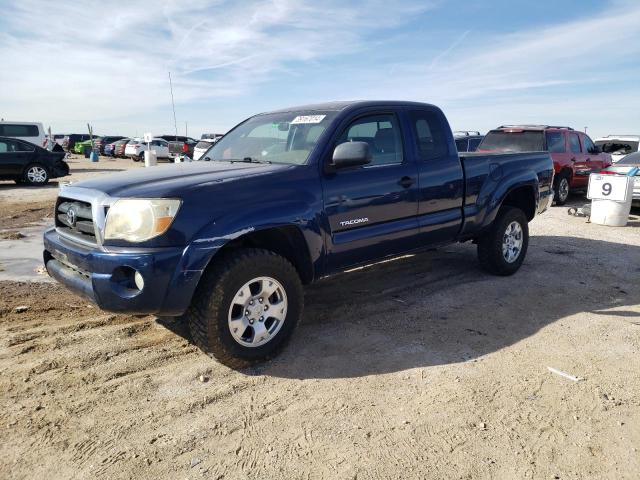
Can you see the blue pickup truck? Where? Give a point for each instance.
(284, 199)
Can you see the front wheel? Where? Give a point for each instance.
(501, 250)
(246, 307)
(36, 174)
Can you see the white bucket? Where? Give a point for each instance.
(611, 212)
(150, 158)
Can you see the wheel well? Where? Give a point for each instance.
(524, 199)
(565, 171)
(286, 241)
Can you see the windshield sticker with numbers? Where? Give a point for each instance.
(307, 119)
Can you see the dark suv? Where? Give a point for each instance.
(574, 154)
(104, 141)
(467, 141)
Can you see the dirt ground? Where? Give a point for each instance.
(424, 367)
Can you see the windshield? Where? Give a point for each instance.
(519, 141)
(633, 159)
(618, 147)
(287, 138)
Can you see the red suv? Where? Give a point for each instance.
(574, 155)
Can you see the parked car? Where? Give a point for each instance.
(201, 147)
(624, 167)
(101, 142)
(69, 141)
(286, 198)
(120, 145)
(136, 148)
(182, 149)
(27, 163)
(59, 138)
(176, 138)
(211, 136)
(618, 146)
(109, 149)
(467, 141)
(80, 146)
(574, 154)
(31, 132)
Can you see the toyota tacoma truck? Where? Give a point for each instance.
(284, 199)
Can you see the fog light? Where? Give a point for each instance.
(139, 280)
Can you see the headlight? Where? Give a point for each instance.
(137, 220)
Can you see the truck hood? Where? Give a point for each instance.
(170, 180)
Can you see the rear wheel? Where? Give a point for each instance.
(36, 174)
(502, 249)
(561, 189)
(246, 307)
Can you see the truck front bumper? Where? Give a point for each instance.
(140, 281)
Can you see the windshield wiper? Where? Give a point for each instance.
(242, 160)
(252, 160)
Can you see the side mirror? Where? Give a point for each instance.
(351, 154)
(207, 159)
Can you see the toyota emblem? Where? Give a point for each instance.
(71, 217)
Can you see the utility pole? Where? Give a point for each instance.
(173, 106)
(186, 129)
(585, 130)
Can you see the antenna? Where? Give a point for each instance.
(173, 106)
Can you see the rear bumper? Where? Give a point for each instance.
(98, 276)
(60, 169)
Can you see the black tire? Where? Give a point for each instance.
(43, 174)
(208, 314)
(490, 245)
(139, 158)
(561, 188)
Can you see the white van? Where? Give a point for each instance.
(618, 146)
(27, 131)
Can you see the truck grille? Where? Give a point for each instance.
(75, 219)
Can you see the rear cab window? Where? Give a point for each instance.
(429, 131)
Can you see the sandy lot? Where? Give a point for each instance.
(420, 368)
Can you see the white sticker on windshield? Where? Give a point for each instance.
(307, 119)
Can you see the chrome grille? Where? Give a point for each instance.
(74, 218)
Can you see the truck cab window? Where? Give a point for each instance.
(430, 137)
(382, 133)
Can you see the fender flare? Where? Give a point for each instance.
(508, 184)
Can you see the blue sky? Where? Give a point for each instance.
(484, 62)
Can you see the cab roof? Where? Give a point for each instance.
(533, 127)
(344, 105)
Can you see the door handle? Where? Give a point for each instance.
(405, 182)
(573, 159)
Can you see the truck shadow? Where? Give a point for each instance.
(440, 308)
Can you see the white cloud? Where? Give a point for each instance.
(66, 63)
(75, 62)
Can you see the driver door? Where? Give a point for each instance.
(372, 209)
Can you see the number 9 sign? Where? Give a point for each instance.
(608, 187)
